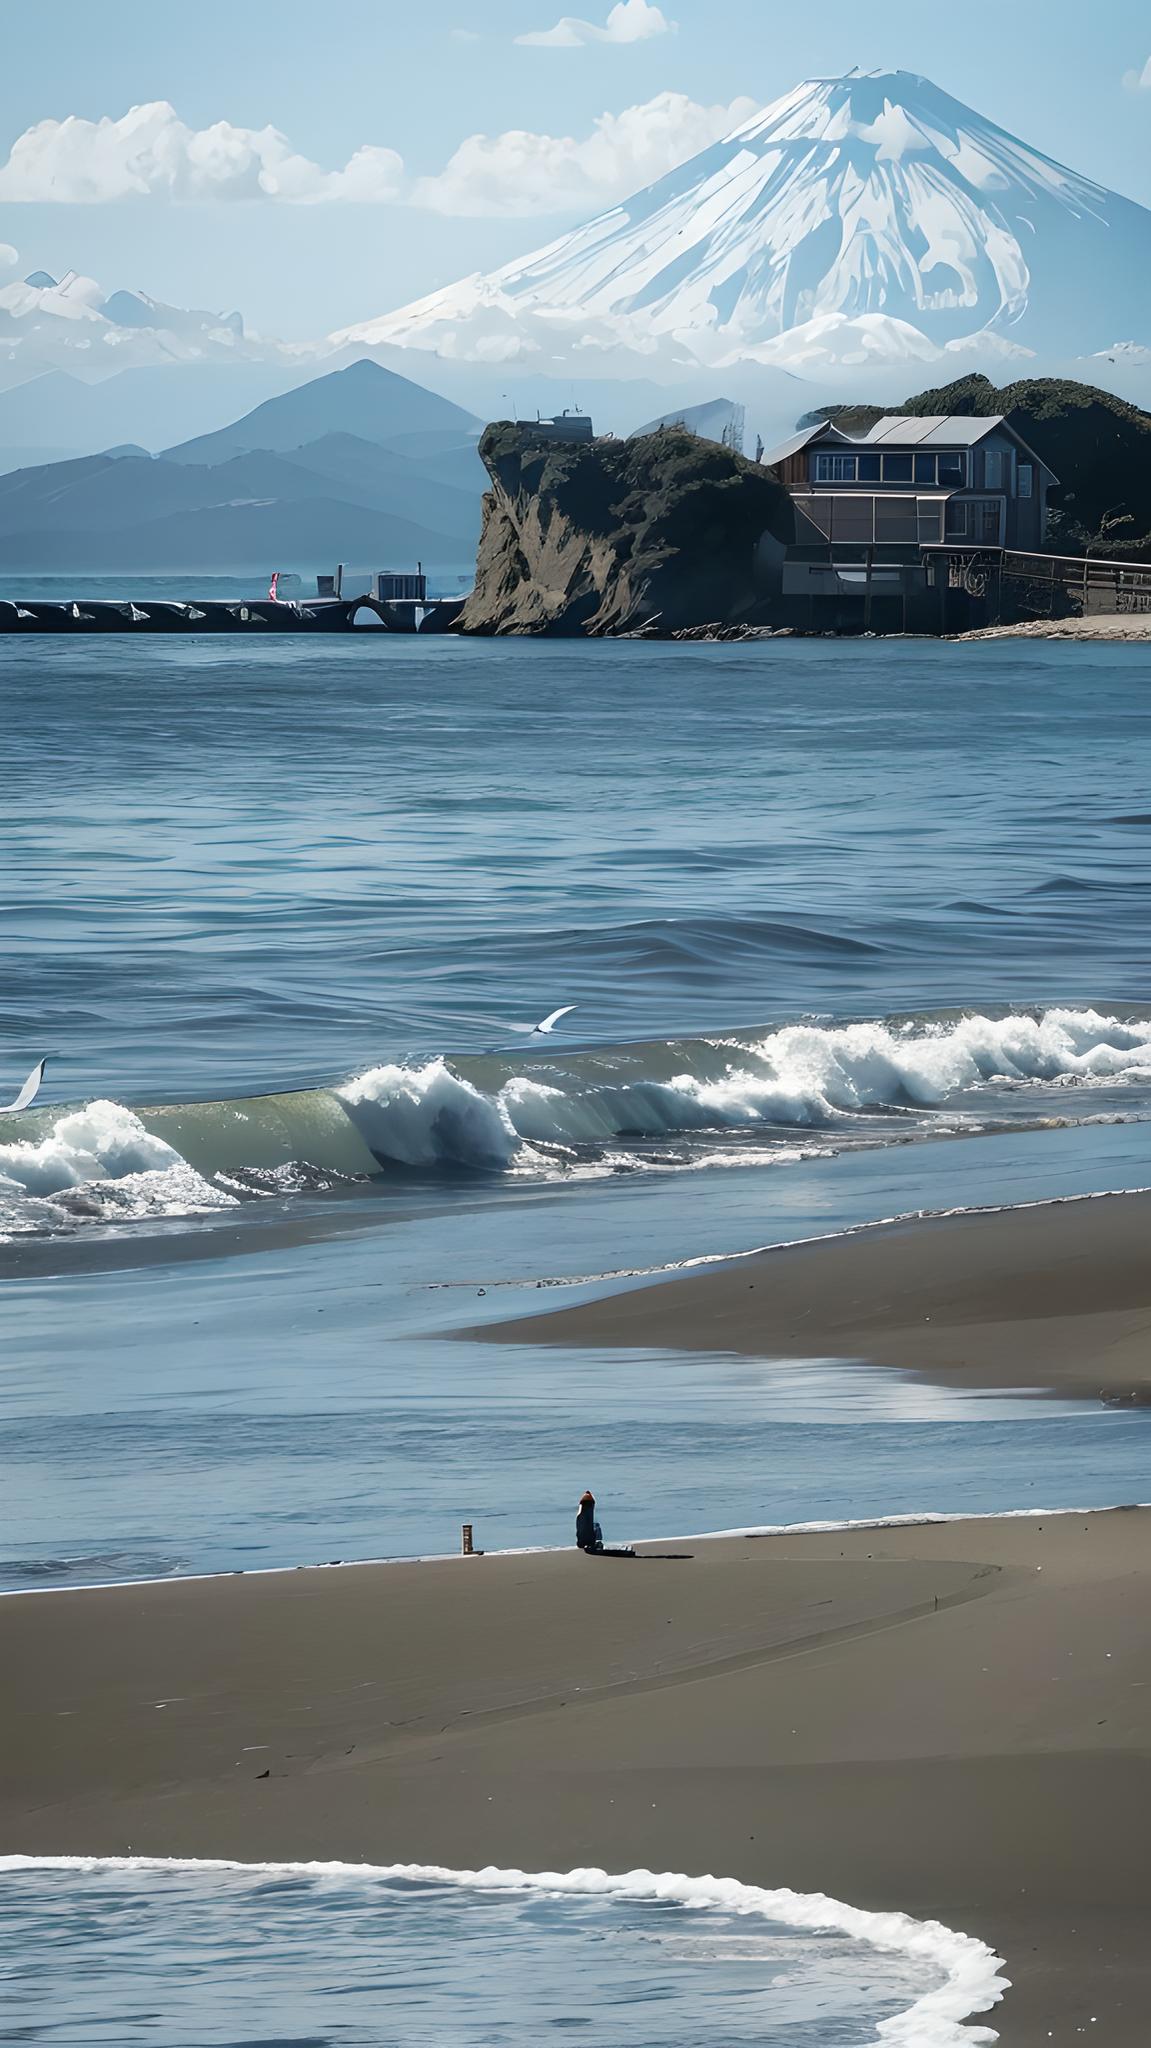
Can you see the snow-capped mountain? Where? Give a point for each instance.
(72, 323)
(857, 220)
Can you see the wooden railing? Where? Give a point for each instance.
(1087, 584)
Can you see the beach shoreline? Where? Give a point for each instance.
(1054, 1297)
(940, 1719)
(1133, 627)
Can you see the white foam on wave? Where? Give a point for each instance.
(582, 1114)
(803, 1076)
(428, 1116)
(101, 1141)
(971, 1972)
(97, 1163)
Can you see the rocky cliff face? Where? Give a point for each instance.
(611, 536)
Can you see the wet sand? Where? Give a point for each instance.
(1055, 1297)
(951, 1720)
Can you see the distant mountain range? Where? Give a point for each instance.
(366, 467)
(859, 221)
(861, 226)
(855, 228)
(51, 322)
(361, 465)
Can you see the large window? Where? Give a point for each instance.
(875, 519)
(1026, 475)
(835, 469)
(926, 470)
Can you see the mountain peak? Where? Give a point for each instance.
(866, 218)
(363, 399)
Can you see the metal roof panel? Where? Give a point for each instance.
(796, 442)
(935, 430)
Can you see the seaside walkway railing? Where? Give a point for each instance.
(1046, 585)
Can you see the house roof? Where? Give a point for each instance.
(911, 430)
(936, 430)
(800, 440)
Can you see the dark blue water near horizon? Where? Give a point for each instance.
(247, 867)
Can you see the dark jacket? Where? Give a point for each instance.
(587, 1528)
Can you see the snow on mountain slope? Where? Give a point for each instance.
(858, 219)
(76, 325)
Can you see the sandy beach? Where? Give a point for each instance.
(1055, 1297)
(1134, 626)
(945, 1719)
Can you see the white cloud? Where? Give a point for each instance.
(1139, 81)
(630, 21)
(150, 153)
(9, 257)
(520, 173)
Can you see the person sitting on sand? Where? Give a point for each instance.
(589, 1535)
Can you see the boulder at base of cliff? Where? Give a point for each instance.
(607, 536)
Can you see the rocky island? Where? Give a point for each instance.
(664, 532)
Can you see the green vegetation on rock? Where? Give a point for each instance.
(610, 536)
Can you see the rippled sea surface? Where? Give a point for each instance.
(236, 868)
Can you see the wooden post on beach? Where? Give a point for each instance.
(466, 1545)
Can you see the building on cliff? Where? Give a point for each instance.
(917, 482)
(568, 428)
(879, 513)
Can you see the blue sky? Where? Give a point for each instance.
(376, 192)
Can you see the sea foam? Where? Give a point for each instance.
(659, 1104)
(802, 1076)
(971, 1973)
(429, 1116)
(98, 1162)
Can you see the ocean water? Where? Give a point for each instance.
(314, 1956)
(853, 930)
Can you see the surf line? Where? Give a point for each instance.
(973, 1980)
(785, 1244)
(926, 1518)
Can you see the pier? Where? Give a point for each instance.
(253, 616)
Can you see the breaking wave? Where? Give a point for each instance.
(663, 1105)
(98, 1163)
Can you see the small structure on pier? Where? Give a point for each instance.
(397, 586)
